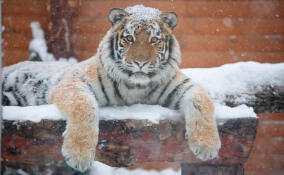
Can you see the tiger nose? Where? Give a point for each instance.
(140, 63)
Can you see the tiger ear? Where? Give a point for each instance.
(170, 18)
(116, 15)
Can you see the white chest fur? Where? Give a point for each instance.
(135, 95)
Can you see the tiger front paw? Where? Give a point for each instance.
(79, 152)
(203, 151)
(205, 144)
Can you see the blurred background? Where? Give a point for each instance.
(211, 33)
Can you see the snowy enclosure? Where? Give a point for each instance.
(215, 33)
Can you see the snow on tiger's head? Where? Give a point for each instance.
(142, 46)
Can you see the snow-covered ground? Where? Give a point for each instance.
(99, 168)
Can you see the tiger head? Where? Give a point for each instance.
(142, 48)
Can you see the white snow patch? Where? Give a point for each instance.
(100, 168)
(21, 172)
(240, 19)
(241, 111)
(231, 52)
(152, 113)
(38, 44)
(140, 12)
(239, 80)
(228, 22)
(233, 37)
(70, 60)
(244, 54)
(273, 36)
(31, 113)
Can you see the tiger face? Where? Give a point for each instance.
(142, 46)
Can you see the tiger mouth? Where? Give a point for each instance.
(140, 73)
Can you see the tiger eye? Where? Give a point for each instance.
(154, 40)
(129, 38)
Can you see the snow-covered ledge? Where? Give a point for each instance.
(152, 113)
(32, 136)
(128, 136)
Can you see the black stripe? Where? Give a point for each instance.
(170, 49)
(117, 92)
(38, 87)
(116, 40)
(102, 87)
(167, 47)
(151, 74)
(91, 89)
(6, 75)
(18, 100)
(14, 90)
(172, 93)
(27, 76)
(152, 91)
(129, 73)
(5, 100)
(170, 45)
(177, 105)
(45, 88)
(112, 48)
(163, 91)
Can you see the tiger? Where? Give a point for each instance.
(137, 62)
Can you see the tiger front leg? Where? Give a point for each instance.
(201, 127)
(81, 134)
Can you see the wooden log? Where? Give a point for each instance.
(122, 143)
(268, 100)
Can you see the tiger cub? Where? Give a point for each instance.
(136, 62)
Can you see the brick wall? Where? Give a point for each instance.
(211, 33)
(267, 156)
(17, 16)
